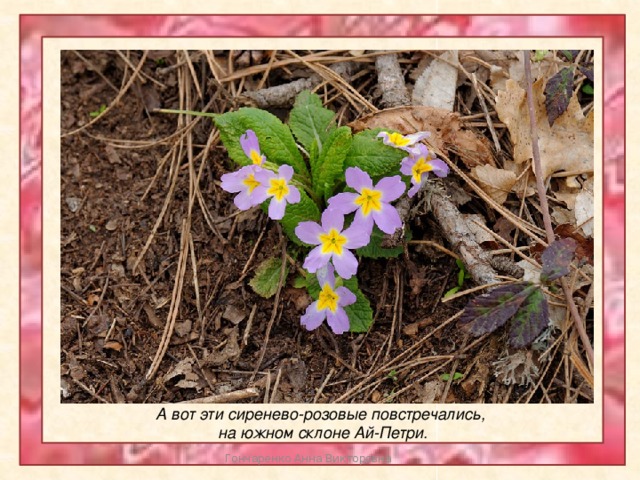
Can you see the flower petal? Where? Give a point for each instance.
(263, 175)
(286, 172)
(276, 209)
(416, 137)
(294, 195)
(346, 264)
(347, 297)
(326, 274)
(332, 219)
(387, 219)
(392, 188)
(343, 202)
(316, 259)
(243, 201)
(413, 190)
(232, 182)
(248, 142)
(259, 195)
(363, 223)
(312, 318)
(358, 179)
(309, 232)
(440, 168)
(357, 236)
(338, 321)
(406, 165)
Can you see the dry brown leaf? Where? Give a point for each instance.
(496, 182)
(447, 133)
(584, 208)
(568, 146)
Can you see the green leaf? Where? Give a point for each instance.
(587, 89)
(375, 249)
(300, 282)
(557, 93)
(329, 166)
(267, 277)
(539, 55)
(456, 376)
(310, 121)
(276, 141)
(460, 277)
(531, 319)
(492, 310)
(451, 292)
(360, 313)
(305, 209)
(556, 259)
(373, 156)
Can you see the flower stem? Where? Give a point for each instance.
(544, 206)
(187, 112)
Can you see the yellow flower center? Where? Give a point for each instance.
(328, 299)
(251, 182)
(421, 166)
(332, 242)
(256, 158)
(279, 188)
(369, 200)
(399, 140)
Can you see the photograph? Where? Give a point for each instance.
(329, 226)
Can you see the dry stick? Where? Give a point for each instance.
(275, 386)
(324, 384)
(453, 372)
(114, 101)
(175, 303)
(193, 74)
(483, 104)
(391, 81)
(142, 74)
(544, 206)
(274, 311)
(230, 397)
(284, 95)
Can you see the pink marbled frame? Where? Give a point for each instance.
(34, 27)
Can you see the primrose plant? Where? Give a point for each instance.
(332, 191)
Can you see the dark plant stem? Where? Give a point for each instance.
(544, 206)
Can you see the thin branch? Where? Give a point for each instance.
(544, 206)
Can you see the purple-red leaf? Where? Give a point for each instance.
(558, 93)
(556, 259)
(492, 310)
(532, 317)
(587, 71)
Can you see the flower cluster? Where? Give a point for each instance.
(339, 232)
(255, 183)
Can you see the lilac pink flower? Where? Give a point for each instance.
(277, 187)
(251, 147)
(404, 142)
(246, 185)
(333, 244)
(371, 203)
(418, 165)
(330, 304)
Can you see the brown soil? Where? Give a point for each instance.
(116, 177)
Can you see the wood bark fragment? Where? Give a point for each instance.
(457, 232)
(391, 81)
(284, 95)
